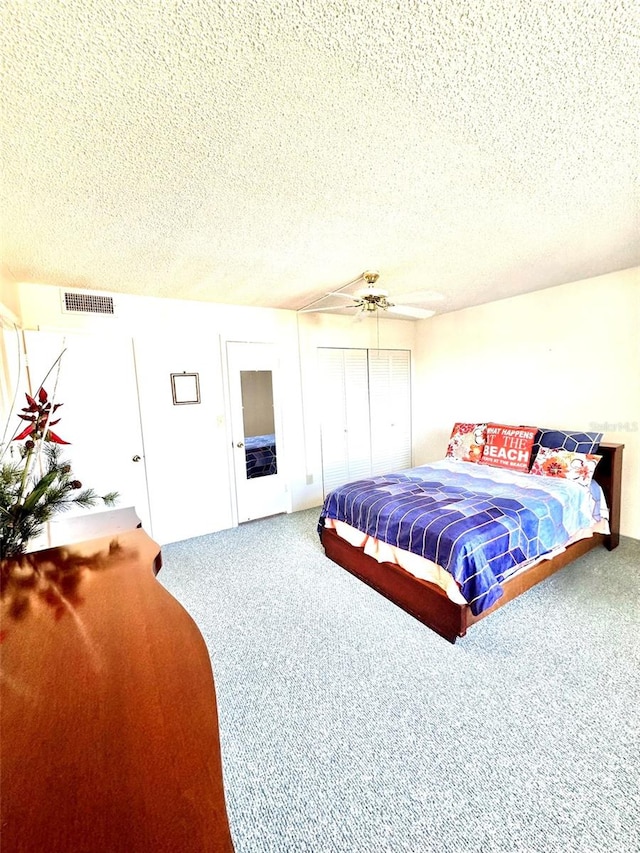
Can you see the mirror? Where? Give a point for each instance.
(259, 424)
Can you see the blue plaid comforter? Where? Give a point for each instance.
(477, 522)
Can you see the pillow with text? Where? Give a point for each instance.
(508, 446)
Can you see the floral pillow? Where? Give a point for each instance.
(566, 464)
(466, 442)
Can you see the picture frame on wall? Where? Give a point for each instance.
(185, 388)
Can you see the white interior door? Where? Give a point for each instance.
(345, 429)
(100, 415)
(258, 458)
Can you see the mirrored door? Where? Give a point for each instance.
(255, 428)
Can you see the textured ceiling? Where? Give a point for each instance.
(264, 152)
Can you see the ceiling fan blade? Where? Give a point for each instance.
(317, 304)
(348, 296)
(411, 311)
(322, 308)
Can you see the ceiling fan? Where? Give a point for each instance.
(369, 300)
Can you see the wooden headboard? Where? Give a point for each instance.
(609, 474)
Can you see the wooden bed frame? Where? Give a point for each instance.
(430, 604)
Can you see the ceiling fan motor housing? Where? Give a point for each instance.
(373, 301)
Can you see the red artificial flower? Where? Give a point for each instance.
(39, 413)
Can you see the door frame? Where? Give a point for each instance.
(275, 486)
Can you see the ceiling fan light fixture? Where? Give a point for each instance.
(369, 299)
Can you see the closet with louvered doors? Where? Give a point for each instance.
(366, 418)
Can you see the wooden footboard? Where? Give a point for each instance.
(430, 604)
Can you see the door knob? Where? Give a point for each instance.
(240, 444)
(135, 458)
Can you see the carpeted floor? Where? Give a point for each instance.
(348, 727)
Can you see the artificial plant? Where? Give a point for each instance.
(40, 483)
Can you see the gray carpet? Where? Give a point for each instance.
(348, 726)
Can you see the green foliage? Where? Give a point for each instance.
(40, 484)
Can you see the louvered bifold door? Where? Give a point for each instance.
(345, 433)
(390, 408)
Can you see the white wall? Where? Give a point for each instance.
(9, 345)
(187, 448)
(9, 297)
(566, 357)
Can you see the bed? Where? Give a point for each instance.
(260, 453)
(475, 563)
